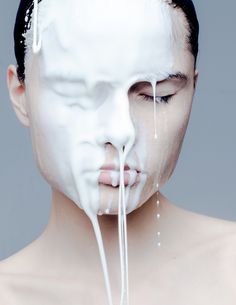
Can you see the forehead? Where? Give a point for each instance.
(106, 39)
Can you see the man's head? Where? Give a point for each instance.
(24, 22)
(88, 94)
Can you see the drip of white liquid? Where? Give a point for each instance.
(123, 242)
(36, 36)
(98, 235)
(155, 107)
(158, 217)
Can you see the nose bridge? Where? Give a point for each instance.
(119, 129)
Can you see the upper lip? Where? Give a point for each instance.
(111, 167)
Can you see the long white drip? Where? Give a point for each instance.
(98, 235)
(36, 34)
(123, 241)
(153, 82)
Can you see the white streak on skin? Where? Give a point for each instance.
(107, 211)
(165, 149)
(155, 107)
(136, 196)
(132, 177)
(127, 196)
(115, 178)
(37, 37)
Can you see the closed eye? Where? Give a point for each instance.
(158, 99)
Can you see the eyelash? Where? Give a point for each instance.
(161, 99)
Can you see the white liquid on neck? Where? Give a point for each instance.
(98, 235)
(123, 242)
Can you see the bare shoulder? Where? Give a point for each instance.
(13, 264)
(205, 259)
(219, 231)
(12, 277)
(219, 258)
(6, 289)
(216, 245)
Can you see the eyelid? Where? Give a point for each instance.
(161, 90)
(68, 89)
(167, 85)
(162, 99)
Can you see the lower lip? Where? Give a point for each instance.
(112, 178)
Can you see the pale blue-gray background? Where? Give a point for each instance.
(204, 180)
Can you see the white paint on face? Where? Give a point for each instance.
(83, 81)
(79, 103)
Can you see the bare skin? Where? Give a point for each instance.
(195, 263)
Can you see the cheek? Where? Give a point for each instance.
(162, 153)
(64, 145)
(173, 121)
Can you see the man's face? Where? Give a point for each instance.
(89, 95)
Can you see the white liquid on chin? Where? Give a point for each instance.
(85, 193)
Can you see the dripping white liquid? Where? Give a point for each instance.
(155, 108)
(36, 35)
(123, 242)
(98, 235)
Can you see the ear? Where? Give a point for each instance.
(195, 78)
(17, 95)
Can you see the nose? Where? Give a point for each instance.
(117, 127)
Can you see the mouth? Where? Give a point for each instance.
(110, 176)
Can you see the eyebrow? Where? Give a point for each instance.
(178, 75)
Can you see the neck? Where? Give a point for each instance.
(71, 237)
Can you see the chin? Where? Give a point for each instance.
(109, 199)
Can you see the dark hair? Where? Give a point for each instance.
(23, 23)
(189, 11)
